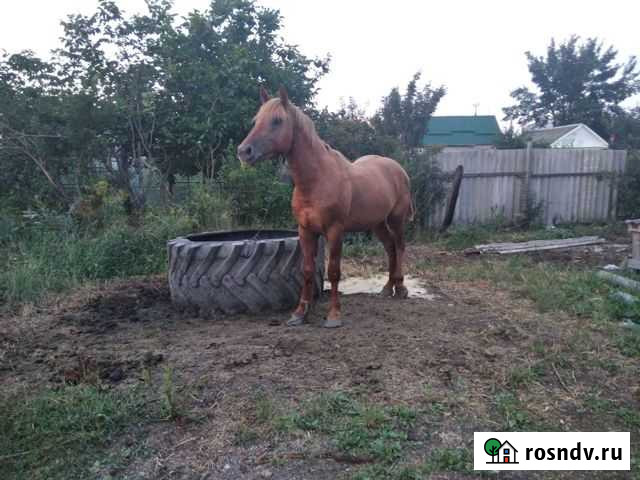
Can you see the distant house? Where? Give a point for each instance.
(577, 135)
(462, 132)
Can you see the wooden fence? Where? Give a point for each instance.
(569, 185)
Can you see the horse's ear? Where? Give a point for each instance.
(284, 97)
(264, 95)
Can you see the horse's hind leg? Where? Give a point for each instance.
(334, 241)
(396, 225)
(386, 237)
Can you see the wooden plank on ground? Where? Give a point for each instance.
(535, 245)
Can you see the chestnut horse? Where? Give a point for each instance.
(332, 196)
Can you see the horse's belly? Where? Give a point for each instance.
(370, 206)
(362, 219)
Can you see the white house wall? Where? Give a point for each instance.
(581, 137)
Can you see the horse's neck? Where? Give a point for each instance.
(310, 163)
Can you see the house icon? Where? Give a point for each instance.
(500, 452)
(507, 453)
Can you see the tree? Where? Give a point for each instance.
(577, 82)
(139, 93)
(351, 132)
(492, 446)
(107, 58)
(406, 117)
(510, 139)
(34, 146)
(213, 64)
(625, 129)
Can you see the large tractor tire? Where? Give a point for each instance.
(240, 271)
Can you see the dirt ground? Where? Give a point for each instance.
(458, 351)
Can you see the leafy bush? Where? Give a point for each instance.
(99, 205)
(209, 207)
(257, 196)
(428, 184)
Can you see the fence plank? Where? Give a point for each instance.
(573, 185)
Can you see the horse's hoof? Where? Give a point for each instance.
(387, 291)
(402, 292)
(332, 323)
(296, 320)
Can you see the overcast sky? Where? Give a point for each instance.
(476, 49)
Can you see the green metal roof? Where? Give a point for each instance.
(460, 130)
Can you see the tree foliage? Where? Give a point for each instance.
(576, 82)
(625, 130)
(352, 133)
(405, 117)
(126, 94)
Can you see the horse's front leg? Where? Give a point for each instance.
(309, 246)
(334, 240)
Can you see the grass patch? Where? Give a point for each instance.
(514, 414)
(552, 287)
(449, 460)
(440, 460)
(372, 434)
(67, 433)
(358, 431)
(261, 421)
(361, 245)
(629, 343)
(523, 376)
(49, 260)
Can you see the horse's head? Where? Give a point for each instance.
(272, 132)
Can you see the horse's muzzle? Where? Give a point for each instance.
(247, 154)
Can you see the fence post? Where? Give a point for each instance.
(526, 181)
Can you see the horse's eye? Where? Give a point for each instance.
(277, 121)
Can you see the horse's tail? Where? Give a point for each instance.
(412, 210)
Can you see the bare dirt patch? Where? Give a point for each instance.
(474, 357)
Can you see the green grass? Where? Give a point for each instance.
(361, 245)
(514, 415)
(525, 375)
(552, 287)
(48, 261)
(356, 430)
(629, 343)
(263, 421)
(68, 433)
(440, 460)
(449, 460)
(372, 434)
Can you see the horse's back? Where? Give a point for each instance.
(380, 186)
(382, 170)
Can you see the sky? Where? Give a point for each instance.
(475, 49)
